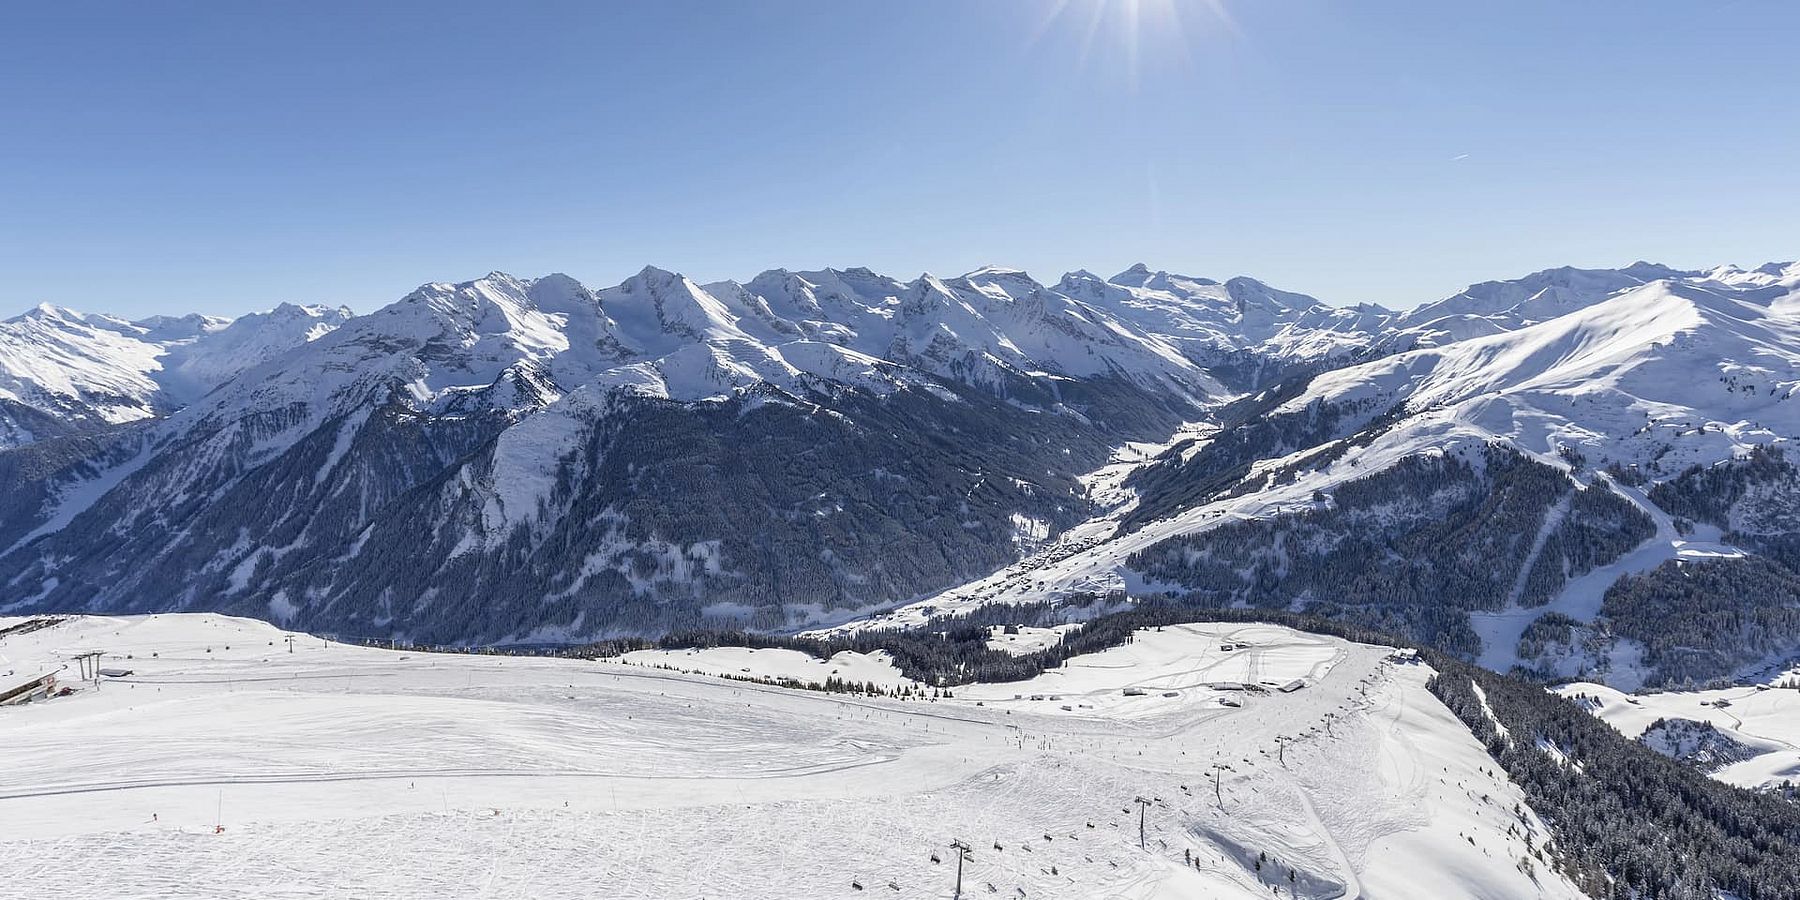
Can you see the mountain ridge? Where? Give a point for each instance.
(803, 448)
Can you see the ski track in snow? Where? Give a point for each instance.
(1553, 520)
(1582, 597)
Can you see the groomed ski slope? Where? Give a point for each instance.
(341, 771)
(1584, 595)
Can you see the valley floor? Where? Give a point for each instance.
(225, 765)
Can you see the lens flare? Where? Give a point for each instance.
(1131, 30)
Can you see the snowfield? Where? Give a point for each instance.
(1026, 639)
(228, 765)
(1763, 717)
(1182, 665)
(743, 662)
(92, 369)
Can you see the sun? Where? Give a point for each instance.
(1130, 29)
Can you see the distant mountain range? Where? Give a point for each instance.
(63, 372)
(533, 460)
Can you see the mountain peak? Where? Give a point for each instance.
(555, 291)
(1140, 276)
(997, 271)
(1544, 294)
(1000, 283)
(657, 310)
(502, 280)
(655, 274)
(287, 310)
(49, 311)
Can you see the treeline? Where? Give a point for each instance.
(1708, 493)
(665, 516)
(1628, 822)
(1248, 433)
(1411, 549)
(831, 685)
(758, 511)
(1600, 527)
(1552, 633)
(1408, 551)
(1701, 620)
(955, 651)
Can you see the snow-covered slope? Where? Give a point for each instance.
(1699, 368)
(524, 343)
(1494, 306)
(231, 761)
(579, 434)
(1210, 320)
(1541, 295)
(1641, 383)
(991, 326)
(804, 448)
(79, 372)
(1760, 721)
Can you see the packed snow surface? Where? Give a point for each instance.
(228, 765)
(744, 662)
(1027, 639)
(1175, 666)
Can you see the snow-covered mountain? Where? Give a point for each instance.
(993, 327)
(1241, 329)
(1488, 494)
(533, 459)
(1665, 374)
(1492, 307)
(601, 459)
(62, 371)
(1541, 295)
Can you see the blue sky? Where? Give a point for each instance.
(221, 157)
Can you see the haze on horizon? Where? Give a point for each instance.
(196, 157)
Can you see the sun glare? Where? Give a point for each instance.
(1132, 30)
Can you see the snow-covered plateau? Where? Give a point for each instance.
(226, 757)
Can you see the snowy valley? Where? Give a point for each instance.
(777, 587)
(530, 460)
(1641, 431)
